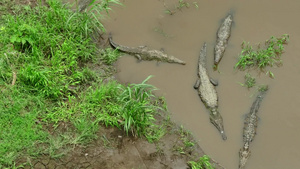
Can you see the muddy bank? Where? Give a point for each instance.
(113, 149)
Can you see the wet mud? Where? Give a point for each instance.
(113, 149)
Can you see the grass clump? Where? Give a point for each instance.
(202, 163)
(129, 107)
(137, 108)
(262, 57)
(109, 55)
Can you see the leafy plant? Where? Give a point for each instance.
(262, 57)
(23, 36)
(202, 163)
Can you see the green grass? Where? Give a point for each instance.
(20, 130)
(137, 108)
(109, 55)
(202, 163)
(262, 56)
(129, 107)
(44, 50)
(45, 46)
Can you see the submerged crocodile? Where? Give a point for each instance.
(250, 128)
(143, 53)
(208, 93)
(223, 35)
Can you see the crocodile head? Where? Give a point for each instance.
(217, 120)
(244, 155)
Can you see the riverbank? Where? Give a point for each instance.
(61, 106)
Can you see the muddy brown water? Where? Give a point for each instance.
(144, 22)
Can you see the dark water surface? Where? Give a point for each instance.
(144, 22)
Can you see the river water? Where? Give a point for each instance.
(182, 34)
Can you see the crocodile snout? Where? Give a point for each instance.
(224, 137)
(217, 120)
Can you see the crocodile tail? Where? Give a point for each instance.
(111, 41)
(176, 60)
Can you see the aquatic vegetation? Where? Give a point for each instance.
(179, 6)
(162, 32)
(268, 55)
(202, 163)
(250, 81)
(263, 88)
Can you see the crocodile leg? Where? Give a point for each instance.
(197, 84)
(138, 57)
(214, 82)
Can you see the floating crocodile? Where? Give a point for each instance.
(223, 35)
(208, 93)
(250, 128)
(143, 53)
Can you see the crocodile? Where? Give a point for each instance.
(250, 126)
(223, 35)
(208, 93)
(83, 4)
(143, 53)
